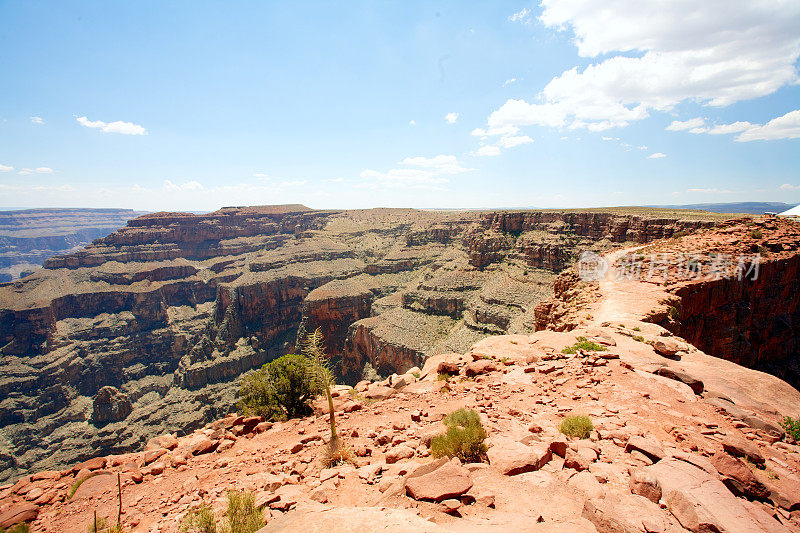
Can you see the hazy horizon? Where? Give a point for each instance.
(444, 105)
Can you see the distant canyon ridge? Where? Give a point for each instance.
(149, 328)
(29, 237)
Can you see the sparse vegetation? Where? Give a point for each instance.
(19, 528)
(199, 520)
(322, 376)
(585, 345)
(464, 437)
(75, 486)
(674, 314)
(638, 338)
(281, 389)
(637, 328)
(756, 234)
(241, 516)
(443, 376)
(416, 374)
(792, 426)
(579, 426)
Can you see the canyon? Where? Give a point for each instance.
(29, 237)
(148, 329)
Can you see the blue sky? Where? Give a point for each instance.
(197, 105)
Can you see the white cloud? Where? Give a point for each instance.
(642, 147)
(37, 120)
(659, 54)
(710, 190)
(678, 125)
(182, 187)
(126, 128)
(43, 170)
(784, 127)
(510, 141)
(6, 168)
(489, 150)
(412, 122)
(789, 187)
(724, 129)
(25, 171)
(293, 183)
(657, 155)
(261, 175)
(451, 117)
(509, 81)
(417, 172)
(523, 15)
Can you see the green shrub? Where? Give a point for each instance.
(241, 516)
(792, 426)
(579, 426)
(637, 328)
(19, 528)
(281, 389)
(463, 439)
(674, 314)
(585, 345)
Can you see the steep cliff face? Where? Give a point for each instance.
(167, 313)
(29, 237)
(755, 323)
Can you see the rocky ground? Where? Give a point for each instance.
(149, 329)
(682, 441)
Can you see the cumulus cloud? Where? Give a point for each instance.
(418, 172)
(784, 127)
(510, 141)
(37, 120)
(125, 128)
(6, 168)
(657, 155)
(451, 117)
(489, 150)
(659, 54)
(25, 171)
(692, 123)
(43, 170)
(509, 81)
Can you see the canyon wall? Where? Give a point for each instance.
(149, 329)
(29, 237)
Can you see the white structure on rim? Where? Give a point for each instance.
(793, 212)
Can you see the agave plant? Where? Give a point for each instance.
(319, 369)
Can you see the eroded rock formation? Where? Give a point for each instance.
(173, 308)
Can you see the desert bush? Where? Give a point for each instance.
(19, 528)
(579, 426)
(241, 516)
(281, 389)
(792, 426)
(199, 520)
(756, 234)
(464, 437)
(584, 344)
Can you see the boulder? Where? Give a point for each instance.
(399, 452)
(643, 483)
(19, 513)
(695, 384)
(481, 366)
(647, 446)
(204, 445)
(511, 457)
(110, 405)
(668, 347)
(379, 392)
(740, 448)
(624, 513)
(702, 503)
(587, 484)
(448, 481)
(738, 477)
